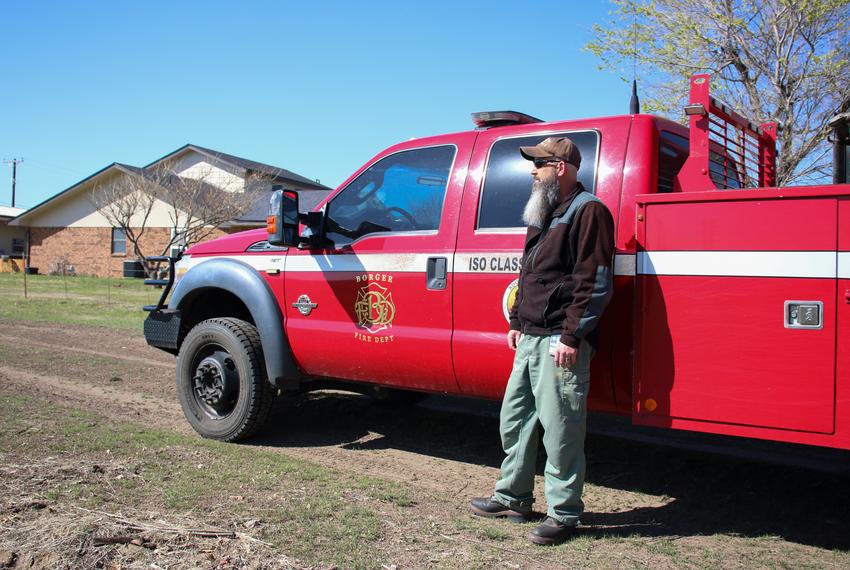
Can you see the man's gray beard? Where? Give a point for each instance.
(544, 198)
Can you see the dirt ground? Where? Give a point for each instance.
(647, 504)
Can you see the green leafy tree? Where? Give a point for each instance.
(774, 60)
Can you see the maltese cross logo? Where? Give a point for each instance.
(374, 308)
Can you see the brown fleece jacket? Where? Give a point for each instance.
(566, 278)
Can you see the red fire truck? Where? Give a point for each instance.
(731, 298)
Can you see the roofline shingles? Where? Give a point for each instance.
(249, 165)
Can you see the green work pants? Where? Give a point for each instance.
(537, 390)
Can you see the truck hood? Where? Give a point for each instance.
(233, 243)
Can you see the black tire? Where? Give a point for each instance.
(221, 380)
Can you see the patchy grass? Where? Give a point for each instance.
(94, 301)
(67, 477)
(82, 462)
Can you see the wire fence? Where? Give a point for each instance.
(94, 290)
(76, 300)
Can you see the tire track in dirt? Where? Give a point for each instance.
(113, 403)
(65, 347)
(435, 476)
(113, 341)
(443, 464)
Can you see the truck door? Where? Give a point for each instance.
(737, 313)
(489, 248)
(376, 306)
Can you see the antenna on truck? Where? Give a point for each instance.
(634, 104)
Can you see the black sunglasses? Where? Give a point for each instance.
(541, 162)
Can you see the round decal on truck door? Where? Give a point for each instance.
(509, 297)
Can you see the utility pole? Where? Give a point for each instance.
(14, 162)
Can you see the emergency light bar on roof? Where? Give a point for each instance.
(726, 149)
(488, 119)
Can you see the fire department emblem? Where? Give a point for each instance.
(509, 297)
(374, 307)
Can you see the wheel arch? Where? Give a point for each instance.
(237, 290)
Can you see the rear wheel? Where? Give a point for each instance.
(221, 379)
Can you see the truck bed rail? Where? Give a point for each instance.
(726, 149)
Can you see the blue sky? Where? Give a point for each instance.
(315, 87)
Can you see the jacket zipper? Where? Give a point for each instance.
(534, 255)
(536, 247)
(549, 300)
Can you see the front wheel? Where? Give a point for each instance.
(221, 379)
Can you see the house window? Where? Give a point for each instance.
(119, 241)
(17, 246)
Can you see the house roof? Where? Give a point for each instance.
(250, 165)
(116, 165)
(9, 212)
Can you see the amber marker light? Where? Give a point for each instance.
(271, 224)
(650, 405)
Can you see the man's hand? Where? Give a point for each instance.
(513, 338)
(565, 356)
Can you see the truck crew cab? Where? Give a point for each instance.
(731, 307)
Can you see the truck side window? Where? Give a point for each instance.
(507, 182)
(401, 192)
(672, 154)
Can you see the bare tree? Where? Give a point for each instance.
(195, 205)
(127, 203)
(779, 60)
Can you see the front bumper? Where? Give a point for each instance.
(162, 329)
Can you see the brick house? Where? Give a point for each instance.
(69, 230)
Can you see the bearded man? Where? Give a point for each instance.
(564, 285)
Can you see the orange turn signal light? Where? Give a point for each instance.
(271, 224)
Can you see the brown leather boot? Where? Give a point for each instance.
(487, 507)
(551, 532)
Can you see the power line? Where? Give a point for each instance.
(55, 168)
(14, 162)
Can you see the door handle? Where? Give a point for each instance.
(804, 315)
(847, 296)
(435, 274)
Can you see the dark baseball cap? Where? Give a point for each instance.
(556, 148)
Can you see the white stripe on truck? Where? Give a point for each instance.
(807, 264)
(797, 264)
(844, 265)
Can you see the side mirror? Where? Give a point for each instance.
(282, 221)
